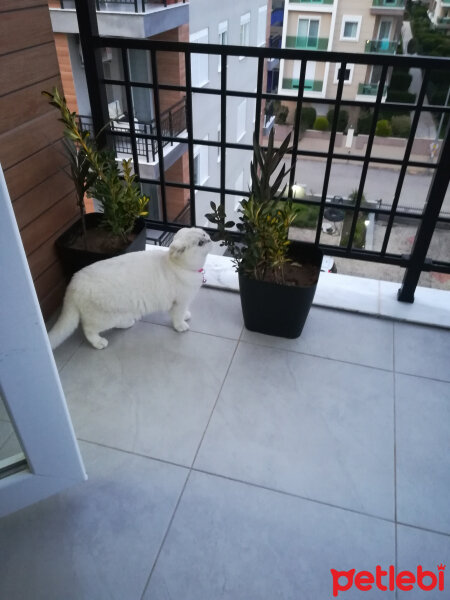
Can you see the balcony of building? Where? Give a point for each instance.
(369, 91)
(311, 85)
(173, 125)
(381, 46)
(226, 463)
(311, 1)
(388, 7)
(306, 43)
(127, 18)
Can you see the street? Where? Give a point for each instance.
(380, 183)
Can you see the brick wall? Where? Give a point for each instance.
(31, 151)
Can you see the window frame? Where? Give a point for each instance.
(351, 19)
(349, 66)
(260, 29)
(194, 38)
(221, 29)
(241, 115)
(244, 22)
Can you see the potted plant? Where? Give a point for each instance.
(119, 227)
(277, 277)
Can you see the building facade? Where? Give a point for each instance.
(156, 20)
(199, 21)
(439, 13)
(216, 22)
(338, 26)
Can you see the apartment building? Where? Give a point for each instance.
(339, 26)
(439, 14)
(200, 21)
(216, 22)
(156, 20)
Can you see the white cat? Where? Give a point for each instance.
(118, 291)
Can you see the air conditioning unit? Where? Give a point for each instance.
(106, 54)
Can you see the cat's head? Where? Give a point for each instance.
(189, 247)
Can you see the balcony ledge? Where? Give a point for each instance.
(125, 24)
(353, 294)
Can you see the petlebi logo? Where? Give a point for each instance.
(388, 580)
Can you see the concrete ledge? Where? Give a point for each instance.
(354, 294)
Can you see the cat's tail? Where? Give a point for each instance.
(66, 324)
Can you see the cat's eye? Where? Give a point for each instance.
(201, 242)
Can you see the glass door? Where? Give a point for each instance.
(41, 455)
(308, 33)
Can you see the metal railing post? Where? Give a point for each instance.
(435, 199)
(93, 67)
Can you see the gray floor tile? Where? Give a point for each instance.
(151, 391)
(423, 452)
(233, 541)
(212, 312)
(306, 425)
(416, 547)
(339, 335)
(97, 540)
(422, 351)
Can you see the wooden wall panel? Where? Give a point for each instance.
(29, 139)
(24, 29)
(27, 65)
(26, 104)
(28, 174)
(59, 215)
(31, 155)
(35, 202)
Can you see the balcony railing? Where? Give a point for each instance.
(370, 89)
(137, 6)
(173, 122)
(443, 20)
(311, 85)
(381, 46)
(306, 43)
(313, 1)
(425, 221)
(388, 3)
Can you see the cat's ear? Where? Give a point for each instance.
(176, 248)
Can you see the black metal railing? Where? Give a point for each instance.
(173, 123)
(414, 263)
(137, 5)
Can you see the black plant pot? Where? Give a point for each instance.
(74, 259)
(276, 309)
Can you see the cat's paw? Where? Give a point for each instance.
(99, 343)
(187, 316)
(180, 327)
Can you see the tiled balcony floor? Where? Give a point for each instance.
(226, 464)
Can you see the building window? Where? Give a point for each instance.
(219, 140)
(308, 33)
(201, 173)
(241, 118)
(351, 26)
(262, 26)
(245, 31)
(348, 74)
(238, 186)
(199, 62)
(223, 39)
